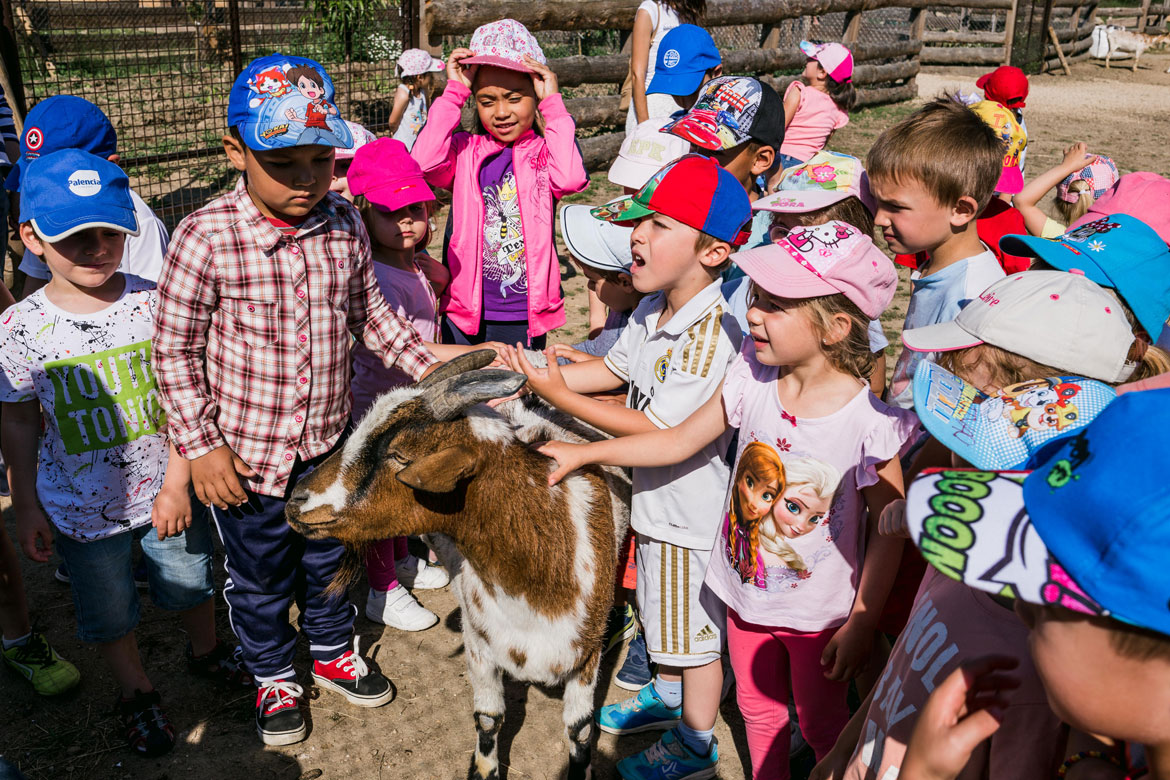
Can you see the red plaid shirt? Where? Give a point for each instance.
(251, 342)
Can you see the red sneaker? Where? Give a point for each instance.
(278, 715)
(349, 676)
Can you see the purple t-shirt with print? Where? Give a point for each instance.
(505, 273)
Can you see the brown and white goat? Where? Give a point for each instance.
(1127, 40)
(533, 566)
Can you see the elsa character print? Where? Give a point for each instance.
(803, 507)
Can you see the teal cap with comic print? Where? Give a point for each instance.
(1086, 530)
(279, 101)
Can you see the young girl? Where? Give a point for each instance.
(393, 198)
(505, 180)
(1080, 179)
(416, 68)
(652, 21)
(796, 393)
(818, 102)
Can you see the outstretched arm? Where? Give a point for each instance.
(1075, 158)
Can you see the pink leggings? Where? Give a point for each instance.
(763, 657)
(380, 559)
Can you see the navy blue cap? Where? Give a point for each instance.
(62, 122)
(71, 190)
(684, 55)
(279, 101)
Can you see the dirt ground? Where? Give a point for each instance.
(426, 732)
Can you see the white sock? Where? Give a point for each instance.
(18, 642)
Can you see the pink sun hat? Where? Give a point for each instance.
(361, 137)
(415, 62)
(504, 44)
(835, 58)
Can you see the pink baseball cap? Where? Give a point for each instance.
(1142, 195)
(504, 44)
(361, 137)
(833, 57)
(385, 173)
(415, 62)
(824, 260)
(1100, 173)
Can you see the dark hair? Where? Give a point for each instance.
(689, 11)
(842, 92)
(1140, 644)
(295, 74)
(608, 274)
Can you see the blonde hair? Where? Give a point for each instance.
(1071, 212)
(823, 479)
(851, 354)
(1006, 368)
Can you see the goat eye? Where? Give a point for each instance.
(401, 459)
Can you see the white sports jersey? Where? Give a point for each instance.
(672, 371)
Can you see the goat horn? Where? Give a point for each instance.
(449, 399)
(469, 361)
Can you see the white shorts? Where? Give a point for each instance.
(682, 619)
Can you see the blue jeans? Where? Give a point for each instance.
(104, 596)
(788, 161)
(509, 333)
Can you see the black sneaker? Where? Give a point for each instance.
(349, 676)
(222, 663)
(278, 714)
(145, 726)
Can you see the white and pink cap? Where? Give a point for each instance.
(504, 44)
(415, 62)
(824, 260)
(833, 57)
(361, 137)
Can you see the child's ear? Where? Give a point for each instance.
(32, 242)
(237, 156)
(765, 156)
(840, 325)
(715, 255)
(965, 209)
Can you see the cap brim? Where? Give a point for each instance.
(437, 66)
(497, 61)
(810, 49)
(799, 201)
(56, 225)
(394, 196)
(702, 136)
(630, 173)
(680, 84)
(595, 243)
(775, 271)
(941, 337)
(621, 210)
(1011, 181)
(1057, 254)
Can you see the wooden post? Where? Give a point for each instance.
(853, 28)
(1141, 22)
(1059, 51)
(770, 36)
(1009, 32)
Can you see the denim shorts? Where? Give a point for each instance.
(104, 596)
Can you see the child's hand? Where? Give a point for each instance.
(572, 355)
(1074, 156)
(457, 71)
(499, 348)
(290, 114)
(549, 382)
(893, 519)
(569, 458)
(216, 477)
(848, 651)
(543, 79)
(962, 712)
(34, 534)
(171, 513)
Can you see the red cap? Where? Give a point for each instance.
(385, 173)
(1006, 85)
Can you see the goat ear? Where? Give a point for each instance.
(440, 471)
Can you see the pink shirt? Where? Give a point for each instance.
(951, 623)
(816, 117)
(411, 297)
(805, 583)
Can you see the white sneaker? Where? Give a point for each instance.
(398, 609)
(415, 574)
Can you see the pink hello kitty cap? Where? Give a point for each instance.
(833, 57)
(824, 260)
(504, 44)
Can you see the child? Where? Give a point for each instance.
(262, 291)
(103, 455)
(1008, 86)
(818, 103)
(1093, 599)
(505, 181)
(652, 21)
(798, 394)
(1080, 179)
(673, 353)
(687, 59)
(416, 68)
(931, 175)
(344, 158)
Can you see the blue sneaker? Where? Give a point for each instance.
(670, 759)
(635, 671)
(644, 712)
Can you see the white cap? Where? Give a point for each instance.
(644, 152)
(602, 245)
(1059, 319)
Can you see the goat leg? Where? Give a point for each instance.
(578, 717)
(485, 764)
(487, 690)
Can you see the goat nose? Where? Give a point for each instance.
(299, 496)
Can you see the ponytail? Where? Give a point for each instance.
(842, 92)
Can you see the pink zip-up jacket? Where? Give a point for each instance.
(546, 169)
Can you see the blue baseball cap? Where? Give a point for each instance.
(1087, 530)
(684, 55)
(279, 101)
(1117, 251)
(62, 122)
(71, 190)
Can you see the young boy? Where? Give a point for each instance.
(931, 175)
(687, 59)
(673, 353)
(259, 296)
(1093, 596)
(104, 456)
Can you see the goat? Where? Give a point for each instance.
(532, 566)
(1125, 40)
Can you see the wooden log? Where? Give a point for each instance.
(600, 150)
(962, 55)
(576, 70)
(878, 95)
(956, 36)
(596, 111)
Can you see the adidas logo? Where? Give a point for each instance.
(705, 634)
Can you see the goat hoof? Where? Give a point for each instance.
(483, 769)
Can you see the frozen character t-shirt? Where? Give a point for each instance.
(793, 533)
(505, 272)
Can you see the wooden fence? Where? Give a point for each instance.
(1148, 18)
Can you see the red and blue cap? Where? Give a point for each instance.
(696, 191)
(62, 122)
(279, 101)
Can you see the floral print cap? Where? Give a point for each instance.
(504, 44)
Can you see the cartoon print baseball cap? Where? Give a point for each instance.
(62, 122)
(696, 191)
(269, 111)
(1014, 139)
(827, 178)
(1055, 318)
(70, 190)
(1006, 85)
(1057, 536)
(1100, 173)
(415, 62)
(1117, 251)
(824, 260)
(387, 176)
(731, 111)
(1003, 431)
(685, 54)
(504, 44)
(835, 58)
(644, 152)
(601, 245)
(1142, 195)
(361, 137)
